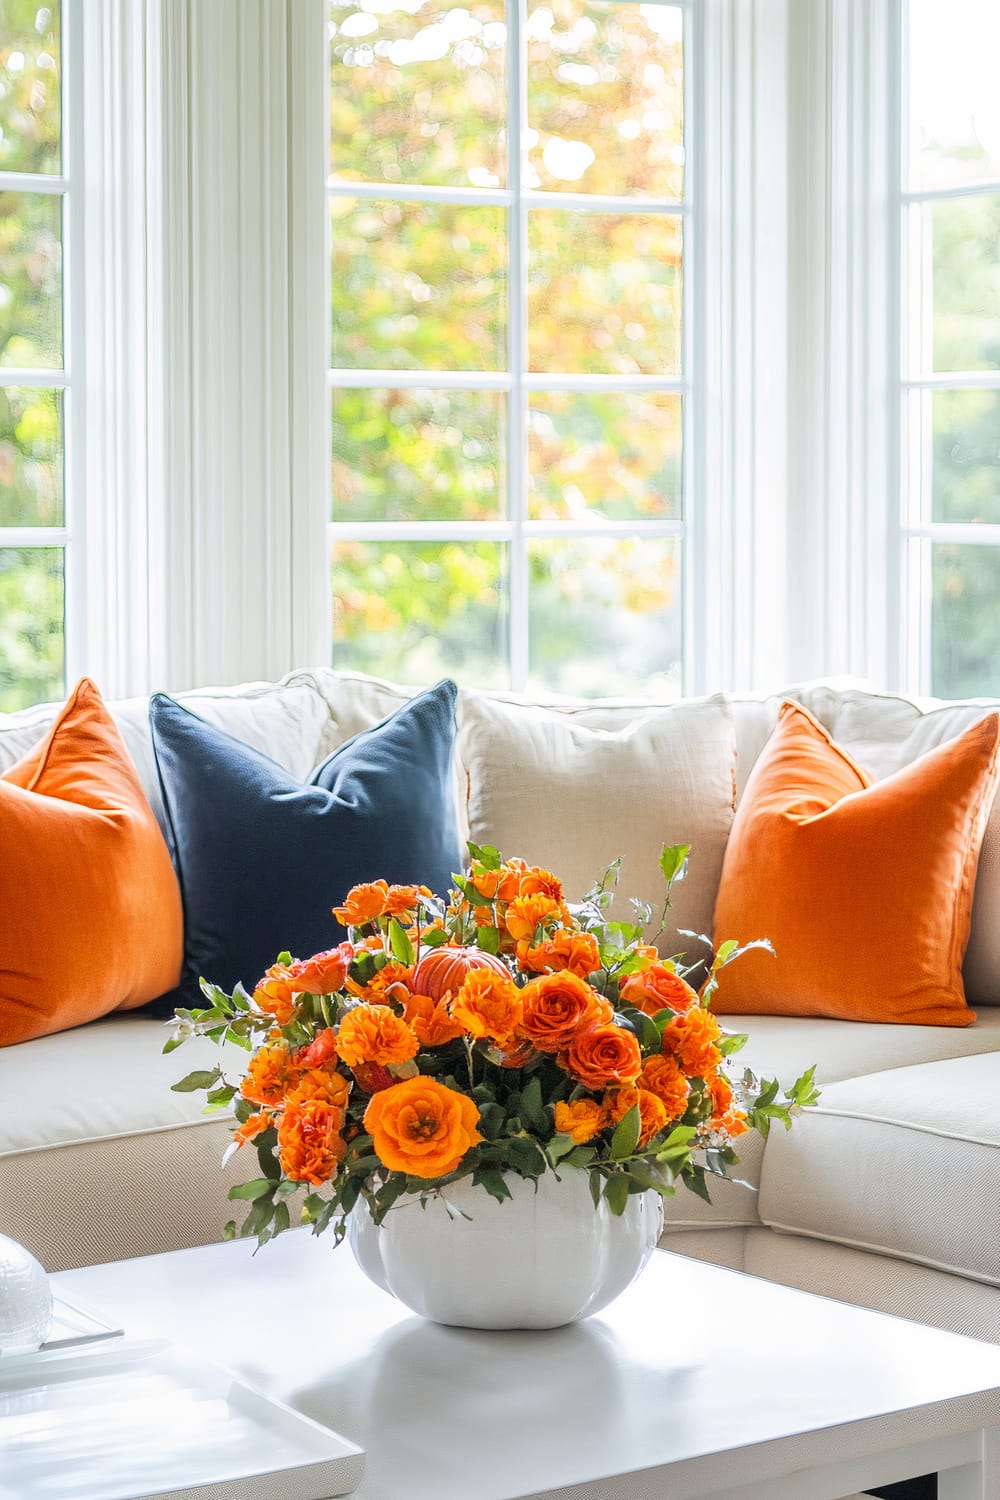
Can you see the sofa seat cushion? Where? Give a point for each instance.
(903, 1163)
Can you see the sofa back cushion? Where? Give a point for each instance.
(574, 788)
(865, 889)
(91, 910)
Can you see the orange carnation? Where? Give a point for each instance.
(324, 973)
(526, 914)
(691, 1038)
(656, 988)
(309, 1140)
(581, 1120)
(430, 1021)
(421, 1127)
(375, 1034)
(557, 1006)
(537, 882)
(489, 1005)
(653, 1116)
(602, 1056)
(363, 903)
(663, 1077)
(565, 949)
(272, 1072)
(321, 1083)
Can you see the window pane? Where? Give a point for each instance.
(417, 287)
(605, 98)
(954, 104)
(965, 623)
(966, 455)
(30, 280)
(31, 468)
(612, 455)
(31, 626)
(965, 240)
(418, 93)
(605, 616)
(418, 455)
(604, 293)
(419, 611)
(29, 86)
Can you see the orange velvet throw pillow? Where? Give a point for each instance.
(90, 909)
(864, 888)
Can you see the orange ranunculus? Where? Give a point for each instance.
(602, 1057)
(403, 900)
(379, 988)
(321, 1083)
(565, 949)
(272, 1072)
(430, 1021)
(657, 988)
(421, 1127)
(691, 1038)
(557, 1006)
(253, 1126)
(538, 882)
(275, 994)
(489, 1005)
(662, 1076)
(487, 883)
(310, 1141)
(653, 1116)
(324, 973)
(375, 1034)
(581, 1120)
(363, 903)
(526, 914)
(321, 1050)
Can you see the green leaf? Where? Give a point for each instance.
(580, 1156)
(626, 1136)
(312, 1207)
(433, 938)
(486, 855)
(173, 1042)
(616, 1192)
(229, 1230)
(531, 1109)
(596, 1185)
(672, 858)
(200, 1079)
(488, 939)
(493, 1182)
(559, 1147)
(252, 1190)
(470, 893)
(402, 948)
(282, 1219)
(648, 1033)
(224, 1094)
(727, 1045)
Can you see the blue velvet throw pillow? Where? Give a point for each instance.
(262, 857)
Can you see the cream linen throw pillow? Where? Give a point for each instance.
(548, 785)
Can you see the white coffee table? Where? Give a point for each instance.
(697, 1382)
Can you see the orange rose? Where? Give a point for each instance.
(309, 1140)
(691, 1038)
(430, 1021)
(576, 951)
(653, 1115)
(363, 903)
(581, 1120)
(402, 900)
(272, 1072)
(324, 973)
(720, 1092)
(321, 1050)
(380, 988)
(663, 1077)
(375, 1034)
(556, 1006)
(656, 989)
(275, 994)
(489, 1005)
(422, 1128)
(526, 914)
(602, 1056)
(253, 1126)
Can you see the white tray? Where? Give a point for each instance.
(132, 1420)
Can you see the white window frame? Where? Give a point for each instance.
(517, 530)
(69, 538)
(915, 529)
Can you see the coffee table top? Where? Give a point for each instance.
(723, 1381)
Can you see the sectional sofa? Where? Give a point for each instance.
(886, 1195)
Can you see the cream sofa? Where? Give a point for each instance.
(886, 1195)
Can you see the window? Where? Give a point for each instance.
(34, 391)
(508, 214)
(951, 346)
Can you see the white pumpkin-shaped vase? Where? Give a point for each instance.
(538, 1260)
(25, 1298)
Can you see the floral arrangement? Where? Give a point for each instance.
(497, 1031)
